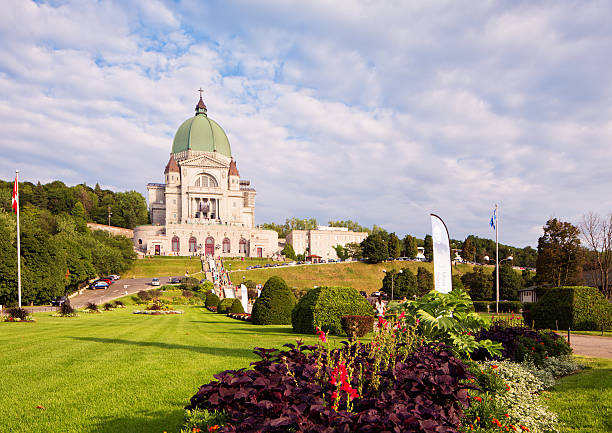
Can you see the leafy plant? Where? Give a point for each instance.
(187, 294)
(92, 306)
(212, 300)
(18, 313)
(108, 306)
(236, 307)
(299, 390)
(357, 326)
(324, 307)
(202, 420)
(66, 310)
(119, 304)
(225, 305)
(274, 305)
(448, 318)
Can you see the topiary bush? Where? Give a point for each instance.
(357, 326)
(236, 307)
(225, 305)
(212, 300)
(579, 308)
(189, 283)
(274, 305)
(324, 307)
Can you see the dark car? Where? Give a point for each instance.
(60, 300)
(175, 280)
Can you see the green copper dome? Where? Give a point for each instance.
(201, 134)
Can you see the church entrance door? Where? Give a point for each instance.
(157, 250)
(210, 246)
(259, 252)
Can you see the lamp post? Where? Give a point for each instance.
(392, 275)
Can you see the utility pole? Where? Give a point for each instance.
(109, 215)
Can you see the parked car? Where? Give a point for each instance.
(99, 285)
(114, 277)
(175, 280)
(155, 282)
(107, 280)
(249, 268)
(268, 265)
(60, 300)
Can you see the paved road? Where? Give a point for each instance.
(116, 290)
(590, 345)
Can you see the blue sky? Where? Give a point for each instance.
(380, 112)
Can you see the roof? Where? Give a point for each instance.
(201, 133)
(233, 170)
(172, 166)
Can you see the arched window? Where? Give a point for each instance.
(193, 245)
(226, 245)
(206, 181)
(176, 245)
(242, 246)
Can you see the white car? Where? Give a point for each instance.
(114, 277)
(155, 282)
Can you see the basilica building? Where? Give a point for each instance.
(204, 207)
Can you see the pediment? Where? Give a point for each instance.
(204, 161)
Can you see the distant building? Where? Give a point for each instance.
(321, 242)
(204, 207)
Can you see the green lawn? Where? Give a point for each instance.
(168, 266)
(116, 371)
(584, 401)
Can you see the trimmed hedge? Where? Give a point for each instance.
(225, 305)
(212, 300)
(275, 303)
(324, 307)
(236, 307)
(579, 308)
(358, 326)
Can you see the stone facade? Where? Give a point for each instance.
(321, 242)
(203, 207)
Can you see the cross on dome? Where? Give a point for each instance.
(201, 107)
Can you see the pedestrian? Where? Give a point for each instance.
(379, 306)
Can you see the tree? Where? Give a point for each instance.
(597, 234)
(559, 255)
(374, 249)
(428, 246)
(341, 252)
(468, 251)
(457, 283)
(289, 252)
(410, 247)
(403, 284)
(425, 281)
(478, 283)
(394, 246)
(509, 282)
(353, 250)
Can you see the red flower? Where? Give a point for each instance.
(524, 428)
(477, 398)
(494, 366)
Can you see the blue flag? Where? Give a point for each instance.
(493, 221)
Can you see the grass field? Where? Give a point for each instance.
(118, 372)
(168, 266)
(584, 401)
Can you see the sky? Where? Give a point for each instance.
(378, 112)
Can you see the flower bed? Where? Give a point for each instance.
(17, 319)
(240, 316)
(157, 312)
(212, 309)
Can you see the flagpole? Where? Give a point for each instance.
(18, 242)
(496, 260)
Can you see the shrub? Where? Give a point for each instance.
(155, 293)
(167, 287)
(507, 306)
(225, 305)
(250, 284)
(107, 306)
(324, 307)
(482, 306)
(119, 304)
(92, 306)
(299, 390)
(357, 326)
(187, 294)
(189, 283)
(206, 287)
(212, 300)
(236, 307)
(252, 293)
(18, 313)
(274, 305)
(521, 344)
(143, 295)
(66, 310)
(578, 308)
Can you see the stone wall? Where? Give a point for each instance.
(117, 231)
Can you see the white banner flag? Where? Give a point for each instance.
(244, 298)
(443, 278)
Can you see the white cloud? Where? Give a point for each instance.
(343, 110)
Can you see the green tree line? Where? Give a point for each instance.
(128, 209)
(59, 254)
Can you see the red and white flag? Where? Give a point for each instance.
(15, 202)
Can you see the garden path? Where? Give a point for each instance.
(591, 345)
